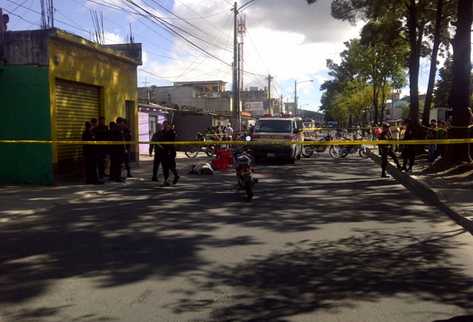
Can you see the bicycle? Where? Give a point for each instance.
(193, 151)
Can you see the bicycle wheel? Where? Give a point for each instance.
(334, 152)
(192, 153)
(210, 151)
(363, 152)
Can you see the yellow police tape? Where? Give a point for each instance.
(259, 142)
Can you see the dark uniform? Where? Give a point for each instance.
(127, 156)
(89, 157)
(116, 154)
(409, 151)
(169, 157)
(387, 150)
(158, 154)
(101, 134)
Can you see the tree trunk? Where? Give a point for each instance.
(460, 95)
(383, 103)
(414, 61)
(433, 63)
(375, 105)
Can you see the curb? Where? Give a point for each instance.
(426, 193)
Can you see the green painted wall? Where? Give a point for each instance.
(25, 114)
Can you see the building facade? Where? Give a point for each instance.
(209, 97)
(52, 82)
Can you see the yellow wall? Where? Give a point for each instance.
(83, 63)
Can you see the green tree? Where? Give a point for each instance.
(410, 14)
(460, 98)
(438, 30)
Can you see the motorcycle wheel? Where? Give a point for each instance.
(307, 151)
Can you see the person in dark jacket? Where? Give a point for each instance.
(116, 153)
(387, 150)
(158, 153)
(409, 151)
(89, 156)
(127, 156)
(169, 151)
(101, 134)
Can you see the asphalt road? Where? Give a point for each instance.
(322, 241)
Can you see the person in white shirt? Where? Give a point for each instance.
(229, 132)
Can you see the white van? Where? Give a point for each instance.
(286, 130)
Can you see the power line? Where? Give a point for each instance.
(167, 27)
(39, 13)
(20, 17)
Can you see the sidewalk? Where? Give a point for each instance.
(28, 202)
(451, 191)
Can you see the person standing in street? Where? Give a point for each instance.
(387, 150)
(158, 152)
(408, 151)
(101, 134)
(432, 135)
(127, 156)
(89, 155)
(229, 132)
(116, 153)
(169, 153)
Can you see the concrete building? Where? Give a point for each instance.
(255, 101)
(290, 108)
(51, 83)
(209, 97)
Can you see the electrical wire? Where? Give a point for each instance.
(58, 20)
(20, 17)
(167, 27)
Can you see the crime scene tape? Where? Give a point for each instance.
(259, 142)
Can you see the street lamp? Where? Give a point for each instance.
(295, 92)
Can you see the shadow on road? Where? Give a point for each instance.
(332, 275)
(137, 231)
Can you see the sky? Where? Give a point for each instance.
(285, 38)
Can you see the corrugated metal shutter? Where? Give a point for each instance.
(75, 104)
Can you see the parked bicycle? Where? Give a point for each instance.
(192, 152)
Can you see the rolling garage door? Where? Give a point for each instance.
(75, 104)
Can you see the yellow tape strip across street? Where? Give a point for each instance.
(259, 142)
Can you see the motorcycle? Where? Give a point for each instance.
(244, 162)
(337, 152)
(309, 150)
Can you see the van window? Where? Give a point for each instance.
(274, 126)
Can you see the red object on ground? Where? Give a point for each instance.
(223, 159)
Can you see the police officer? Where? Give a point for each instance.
(169, 150)
(127, 156)
(117, 152)
(387, 150)
(158, 152)
(101, 134)
(89, 156)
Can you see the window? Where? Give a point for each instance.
(274, 126)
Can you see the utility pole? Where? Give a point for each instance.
(236, 89)
(282, 104)
(296, 107)
(270, 79)
(3, 21)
